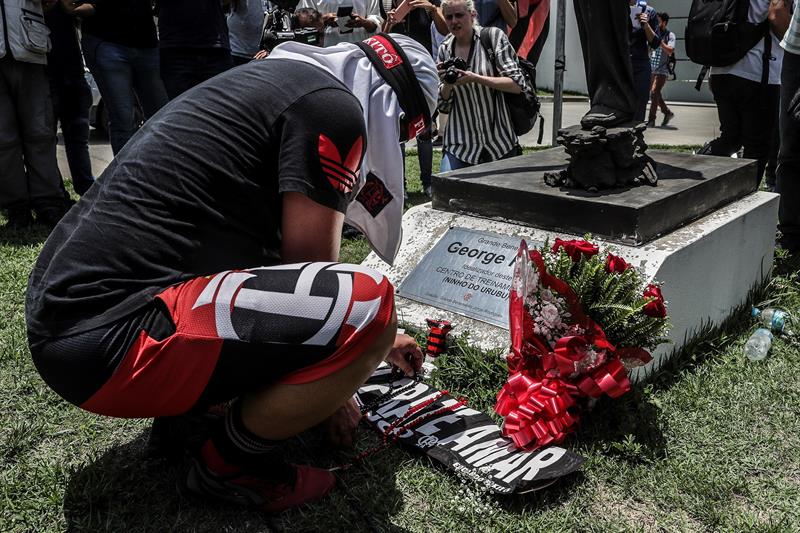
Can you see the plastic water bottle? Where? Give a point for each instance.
(757, 346)
(772, 319)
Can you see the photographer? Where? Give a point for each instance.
(363, 19)
(659, 62)
(280, 25)
(479, 128)
(643, 37)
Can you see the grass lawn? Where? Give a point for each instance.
(712, 443)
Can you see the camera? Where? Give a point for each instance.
(452, 66)
(281, 26)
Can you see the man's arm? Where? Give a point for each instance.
(508, 11)
(310, 231)
(779, 17)
(77, 9)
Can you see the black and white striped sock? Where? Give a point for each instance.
(239, 446)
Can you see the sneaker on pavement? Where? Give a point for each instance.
(651, 123)
(667, 118)
(210, 476)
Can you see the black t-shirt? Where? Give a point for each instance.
(192, 24)
(196, 191)
(123, 22)
(64, 59)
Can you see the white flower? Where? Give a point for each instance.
(550, 315)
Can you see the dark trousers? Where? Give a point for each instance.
(424, 155)
(29, 176)
(603, 29)
(642, 73)
(183, 68)
(748, 114)
(123, 75)
(72, 99)
(788, 174)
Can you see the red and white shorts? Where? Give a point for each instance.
(214, 338)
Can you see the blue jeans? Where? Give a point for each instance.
(118, 69)
(451, 162)
(72, 99)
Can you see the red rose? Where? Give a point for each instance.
(576, 248)
(655, 307)
(615, 263)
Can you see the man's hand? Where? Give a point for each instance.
(357, 21)
(779, 17)
(406, 355)
(329, 19)
(421, 4)
(341, 426)
(643, 18)
(261, 54)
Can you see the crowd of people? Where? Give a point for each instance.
(144, 53)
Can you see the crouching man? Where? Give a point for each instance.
(201, 268)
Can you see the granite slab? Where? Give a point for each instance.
(513, 190)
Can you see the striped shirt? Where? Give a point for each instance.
(791, 41)
(478, 117)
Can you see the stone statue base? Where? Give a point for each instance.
(603, 158)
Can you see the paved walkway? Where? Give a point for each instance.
(694, 124)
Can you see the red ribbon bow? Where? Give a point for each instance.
(539, 399)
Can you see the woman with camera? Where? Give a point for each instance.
(479, 128)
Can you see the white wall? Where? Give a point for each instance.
(575, 79)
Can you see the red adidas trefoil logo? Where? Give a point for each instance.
(342, 174)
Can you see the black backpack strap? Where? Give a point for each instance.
(486, 42)
(700, 77)
(766, 58)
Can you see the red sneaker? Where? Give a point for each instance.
(209, 475)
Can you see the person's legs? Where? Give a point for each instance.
(13, 181)
(451, 162)
(425, 156)
(727, 89)
(147, 80)
(759, 121)
(289, 357)
(641, 81)
(34, 110)
(111, 68)
(603, 29)
(657, 82)
(661, 101)
(654, 95)
(788, 173)
(73, 114)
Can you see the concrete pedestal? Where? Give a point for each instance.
(707, 266)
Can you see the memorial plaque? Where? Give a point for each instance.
(467, 272)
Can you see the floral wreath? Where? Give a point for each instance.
(579, 321)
